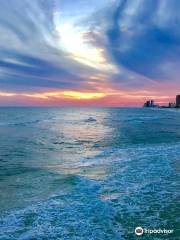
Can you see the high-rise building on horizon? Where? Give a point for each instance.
(178, 101)
(150, 103)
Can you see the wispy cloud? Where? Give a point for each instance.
(115, 46)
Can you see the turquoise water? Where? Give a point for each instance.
(88, 173)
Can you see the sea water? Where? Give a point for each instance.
(88, 173)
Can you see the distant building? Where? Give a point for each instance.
(147, 104)
(178, 101)
(150, 103)
(171, 105)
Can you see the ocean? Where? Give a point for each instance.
(88, 173)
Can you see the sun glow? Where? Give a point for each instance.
(73, 40)
(6, 94)
(68, 94)
(83, 95)
(58, 94)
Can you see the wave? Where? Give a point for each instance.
(90, 119)
(77, 215)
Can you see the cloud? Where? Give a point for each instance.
(141, 39)
(27, 70)
(29, 48)
(108, 45)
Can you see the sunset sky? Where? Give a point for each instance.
(89, 52)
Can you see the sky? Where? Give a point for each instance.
(89, 52)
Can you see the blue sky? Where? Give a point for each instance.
(116, 52)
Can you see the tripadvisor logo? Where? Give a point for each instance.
(139, 231)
